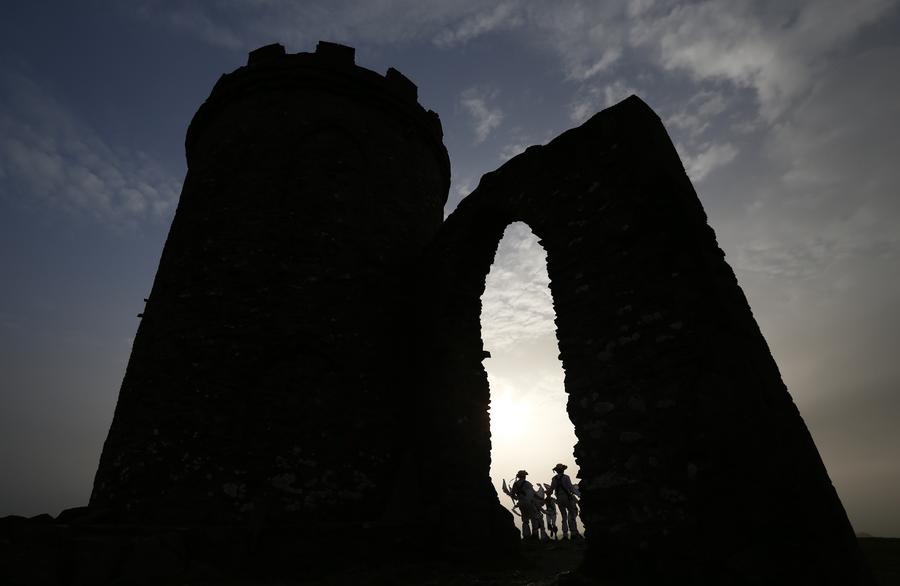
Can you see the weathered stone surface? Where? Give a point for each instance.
(695, 465)
(264, 384)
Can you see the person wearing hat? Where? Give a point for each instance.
(566, 499)
(529, 506)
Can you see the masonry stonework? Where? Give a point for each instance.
(310, 355)
(695, 465)
(265, 380)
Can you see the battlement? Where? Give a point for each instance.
(330, 69)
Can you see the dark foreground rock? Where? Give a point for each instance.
(883, 555)
(42, 551)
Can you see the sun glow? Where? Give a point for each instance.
(530, 428)
(511, 418)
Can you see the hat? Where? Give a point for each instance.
(559, 467)
(521, 473)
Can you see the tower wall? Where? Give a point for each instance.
(266, 378)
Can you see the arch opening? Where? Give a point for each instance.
(530, 428)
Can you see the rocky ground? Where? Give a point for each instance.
(884, 558)
(542, 564)
(554, 564)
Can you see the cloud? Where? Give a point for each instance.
(245, 24)
(637, 8)
(518, 140)
(711, 157)
(191, 18)
(703, 143)
(48, 154)
(486, 117)
(774, 49)
(498, 17)
(517, 305)
(696, 116)
(786, 262)
(586, 36)
(832, 195)
(592, 99)
(460, 187)
(512, 149)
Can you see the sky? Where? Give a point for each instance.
(786, 115)
(530, 429)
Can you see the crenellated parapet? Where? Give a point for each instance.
(330, 71)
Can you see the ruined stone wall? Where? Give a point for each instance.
(310, 353)
(265, 383)
(695, 465)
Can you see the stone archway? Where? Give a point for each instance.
(530, 427)
(695, 463)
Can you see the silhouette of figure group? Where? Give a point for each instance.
(533, 505)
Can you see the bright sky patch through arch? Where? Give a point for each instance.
(530, 428)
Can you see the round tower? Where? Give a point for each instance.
(267, 376)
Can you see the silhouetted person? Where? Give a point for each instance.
(567, 499)
(550, 511)
(529, 505)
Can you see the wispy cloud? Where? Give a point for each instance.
(587, 37)
(492, 18)
(830, 196)
(48, 154)
(460, 187)
(789, 262)
(517, 305)
(485, 116)
(518, 140)
(699, 111)
(245, 24)
(512, 149)
(711, 156)
(593, 98)
(774, 49)
(193, 19)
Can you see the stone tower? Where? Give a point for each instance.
(267, 378)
